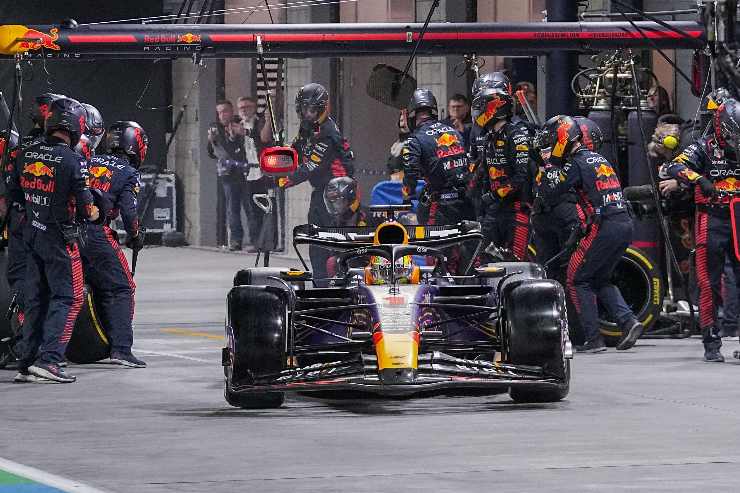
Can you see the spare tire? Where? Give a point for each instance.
(638, 279)
(89, 342)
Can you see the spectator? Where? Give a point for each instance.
(226, 145)
(530, 93)
(458, 116)
(658, 100)
(257, 134)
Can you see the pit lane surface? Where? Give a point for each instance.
(652, 419)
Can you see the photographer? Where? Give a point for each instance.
(226, 145)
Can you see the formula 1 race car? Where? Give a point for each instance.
(387, 325)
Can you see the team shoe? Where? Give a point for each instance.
(712, 353)
(631, 337)
(126, 359)
(23, 376)
(50, 371)
(592, 347)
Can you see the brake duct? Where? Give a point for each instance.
(149, 41)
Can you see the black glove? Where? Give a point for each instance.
(487, 199)
(707, 187)
(135, 243)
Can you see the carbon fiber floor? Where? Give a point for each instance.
(651, 419)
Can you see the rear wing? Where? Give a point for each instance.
(349, 238)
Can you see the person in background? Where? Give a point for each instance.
(659, 101)
(257, 135)
(530, 92)
(226, 145)
(458, 116)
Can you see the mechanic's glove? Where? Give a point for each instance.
(707, 187)
(135, 243)
(487, 199)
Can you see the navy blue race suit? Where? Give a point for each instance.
(323, 154)
(504, 179)
(435, 153)
(52, 181)
(706, 159)
(16, 268)
(106, 267)
(609, 232)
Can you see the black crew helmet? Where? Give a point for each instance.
(41, 106)
(129, 138)
(341, 197)
(67, 115)
(727, 124)
(490, 105)
(559, 134)
(592, 137)
(312, 97)
(422, 99)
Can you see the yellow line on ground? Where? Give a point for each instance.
(191, 333)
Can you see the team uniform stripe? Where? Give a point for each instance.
(124, 264)
(78, 287)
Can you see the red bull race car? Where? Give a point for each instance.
(387, 325)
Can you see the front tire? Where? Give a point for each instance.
(536, 333)
(256, 331)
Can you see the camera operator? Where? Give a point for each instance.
(226, 145)
(710, 164)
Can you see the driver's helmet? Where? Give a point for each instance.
(379, 271)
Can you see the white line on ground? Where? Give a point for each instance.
(173, 355)
(46, 478)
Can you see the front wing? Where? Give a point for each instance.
(436, 372)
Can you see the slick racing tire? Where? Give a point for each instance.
(256, 331)
(89, 342)
(638, 279)
(535, 333)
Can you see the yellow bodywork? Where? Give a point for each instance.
(397, 351)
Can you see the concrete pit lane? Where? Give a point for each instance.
(654, 418)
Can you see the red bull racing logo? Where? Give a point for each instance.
(15, 39)
(496, 173)
(189, 38)
(727, 185)
(41, 177)
(606, 178)
(446, 140)
(605, 171)
(101, 178)
(448, 145)
(38, 169)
